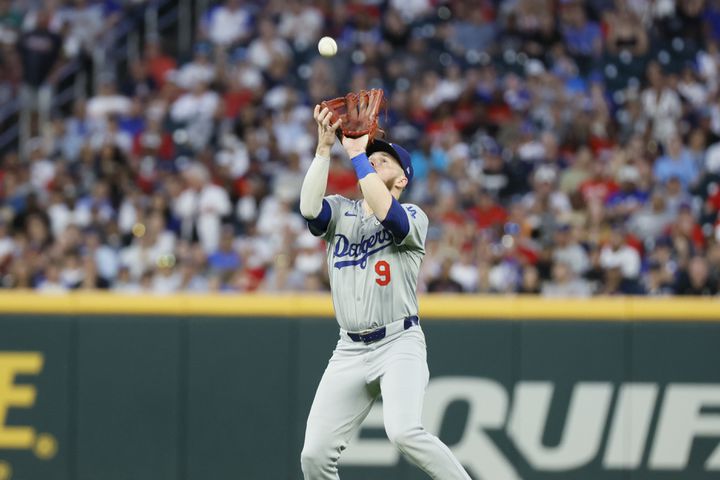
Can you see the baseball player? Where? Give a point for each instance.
(375, 247)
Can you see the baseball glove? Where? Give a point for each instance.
(359, 112)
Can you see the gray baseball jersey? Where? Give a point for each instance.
(373, 279)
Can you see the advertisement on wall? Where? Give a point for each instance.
(186, 398)
(603, 422)
(34, 399)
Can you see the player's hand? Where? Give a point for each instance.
(326, 130)
(355, 146)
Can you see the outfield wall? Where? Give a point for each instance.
(96, 387)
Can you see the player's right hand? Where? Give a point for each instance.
(326, 130)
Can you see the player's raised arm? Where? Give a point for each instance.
(315, 182)
(376, 193)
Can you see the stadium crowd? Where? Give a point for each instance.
(560, 147)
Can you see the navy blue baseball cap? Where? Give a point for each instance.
(395, 151)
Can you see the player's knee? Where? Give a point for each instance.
(403, 436)
(314, 459)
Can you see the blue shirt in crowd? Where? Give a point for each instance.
(683, 168)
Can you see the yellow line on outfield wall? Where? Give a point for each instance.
(431, 306)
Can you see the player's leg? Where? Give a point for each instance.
(403, 386)
(342, 401)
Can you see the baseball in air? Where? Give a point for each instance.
(327, 47)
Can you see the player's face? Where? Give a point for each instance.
(388, 169)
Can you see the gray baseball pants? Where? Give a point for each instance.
(395, 367)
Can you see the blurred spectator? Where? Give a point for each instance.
(342, 179)
(696, 280)
(427, 158)
(686, 231)
(141, 83)
(301, 23)
(225, 258)
(268, 47)
(107, 102)
(40, 51)
(150, 245)
(674, 195)
(578, 172)
(201, 207)
(310, 257)
(85, 21)
(656, 282)
(7, 246)
(156, 62)
(568, 250)
(661, 104)
(652, 219)
(615, 283)
(564, 283)
(91, 280)
(708, 61)
(196, 111)
(544, 195)
(71, 274)
(536, 26)
(73, 134)
(111, 137)
(105, 259)
(51, 281)
(531, 283)
(229, 23)
(11, 20)
(691, 89)
(713, 258)
(124, 284)
(443, 283)
(486, 212)
(583, 37)
(474, 25)
(199, 70)
(625, 32)
(629, 198)
(618, 254)
(95, 208)
(192, 278)
(166, 280)
(465, 271)
(395, 30)
(676, 163)
(42, 169)
(505, 274)
(281, 277)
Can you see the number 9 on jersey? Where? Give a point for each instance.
(382, 268)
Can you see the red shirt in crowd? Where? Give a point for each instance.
(236, 100)
(600, 189)
(488, 217)
(714, 201)
(159, 66)
(453, 218)
(342, 181)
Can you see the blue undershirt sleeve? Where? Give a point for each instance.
(362, 166)
(397, 221)
(319, 225)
